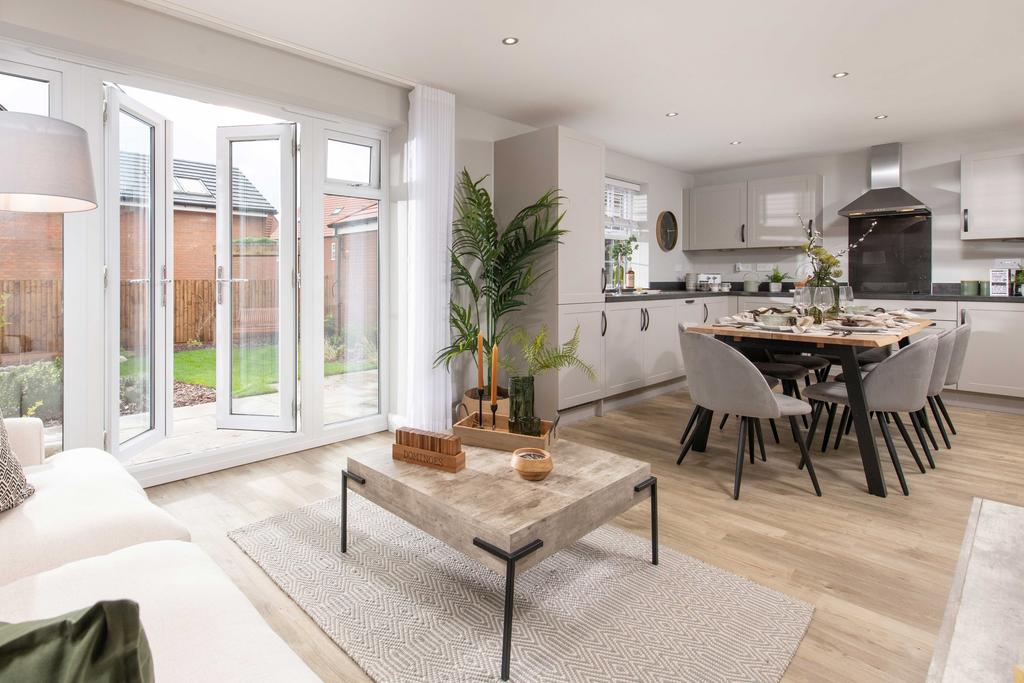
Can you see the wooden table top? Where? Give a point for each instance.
(489, 500)
(870, 340)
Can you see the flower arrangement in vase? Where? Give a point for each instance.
(825, 266)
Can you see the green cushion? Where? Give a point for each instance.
(104, 643)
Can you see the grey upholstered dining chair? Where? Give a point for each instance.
(956, 364)
(943, 358)
(721, 378)
(899, 384)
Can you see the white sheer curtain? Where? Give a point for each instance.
(426, 391)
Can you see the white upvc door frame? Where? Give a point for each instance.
(286, 419)
(161, 285)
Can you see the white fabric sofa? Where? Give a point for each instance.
(90, 533)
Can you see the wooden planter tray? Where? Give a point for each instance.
(499, 438)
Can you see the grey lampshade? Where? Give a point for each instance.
(44, 165)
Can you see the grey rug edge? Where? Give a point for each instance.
(236, 535)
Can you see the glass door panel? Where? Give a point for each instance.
(256, 310)
(137, 140)
(351, 301)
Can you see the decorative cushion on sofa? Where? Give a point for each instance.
(85, 504)
(104, 643)
(199, 625)
(14, 487)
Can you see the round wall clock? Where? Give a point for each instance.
(667, 230)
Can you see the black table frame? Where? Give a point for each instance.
(509, 558)
(854, 386)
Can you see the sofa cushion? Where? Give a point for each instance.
(85, 504)
(102, 643)
(14, 487)
(199, 625)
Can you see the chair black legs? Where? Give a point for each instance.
(916, 421)
(750, 438)
(892, 452)
(741, 444)
(760, 439)
(828, 425)
(702, 415)
(805, 456)
(945, 413)
(725, 418)
(845, 420)
(907, 440)
(815, 417)
(922, 415)
(689, 425)
(938, 421)
(775, 431)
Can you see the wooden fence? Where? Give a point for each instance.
(33, 313)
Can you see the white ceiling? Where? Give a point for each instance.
(752, 70)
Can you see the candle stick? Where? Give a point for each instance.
(494, 386)
(480, 379)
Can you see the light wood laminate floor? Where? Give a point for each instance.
(877, 570)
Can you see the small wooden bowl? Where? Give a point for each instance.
(526, 462)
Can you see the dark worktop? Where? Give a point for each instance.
(667, 293)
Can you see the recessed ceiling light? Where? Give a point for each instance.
(736, 142)
(511, 40)
(881, 116)
(672, 114)
(841, 74)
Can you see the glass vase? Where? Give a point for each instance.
(521, 419)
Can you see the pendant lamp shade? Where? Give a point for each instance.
(44, 165)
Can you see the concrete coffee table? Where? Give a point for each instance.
(489, 513)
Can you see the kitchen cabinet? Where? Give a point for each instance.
(992, 364)
(753, 214)
(663, 357)
(525, 167)
(623, 347)
(772, 208)
(574, 386)
(718, 307)
(992, 195)
(718, 217)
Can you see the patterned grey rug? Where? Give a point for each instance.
(407, 608)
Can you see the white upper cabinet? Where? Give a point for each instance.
(581, 254)
(992, 195)
(759, 213)
(772, 208)
(718, 216)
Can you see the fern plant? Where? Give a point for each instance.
(494, 266)
(539, 356)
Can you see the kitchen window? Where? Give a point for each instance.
(625, 216)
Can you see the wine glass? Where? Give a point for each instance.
(801, 299)
(845, 297)
(824, 300)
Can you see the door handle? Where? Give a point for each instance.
(966, 228)
(705, 313)
(604, 281)
(743, 233)
(643, 319)
(221, 280)
(923, 310)
(689, 301)
(137, 281)
(164, 281)
(604, 323)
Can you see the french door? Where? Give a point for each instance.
(139, 294)
(256, 277)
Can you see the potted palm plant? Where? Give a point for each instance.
(538, 357)
(493, 269)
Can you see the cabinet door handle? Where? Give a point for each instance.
(604, 281)
(963, 316)
(743, 233)
(643, 319)
(966, 228)
(689, 301)
(705, 313)
(923, 310)
(604, 323)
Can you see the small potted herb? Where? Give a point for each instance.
(775, 279)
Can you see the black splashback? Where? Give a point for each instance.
(896, 258)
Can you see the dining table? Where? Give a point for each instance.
(842, 344)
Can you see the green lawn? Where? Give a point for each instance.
(198, 366)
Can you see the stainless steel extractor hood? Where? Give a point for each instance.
(886, 197)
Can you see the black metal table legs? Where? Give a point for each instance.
(510, 560)
(652, 484)
(345, 476)
(862, 421)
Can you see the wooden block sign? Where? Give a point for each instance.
(430, 449)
